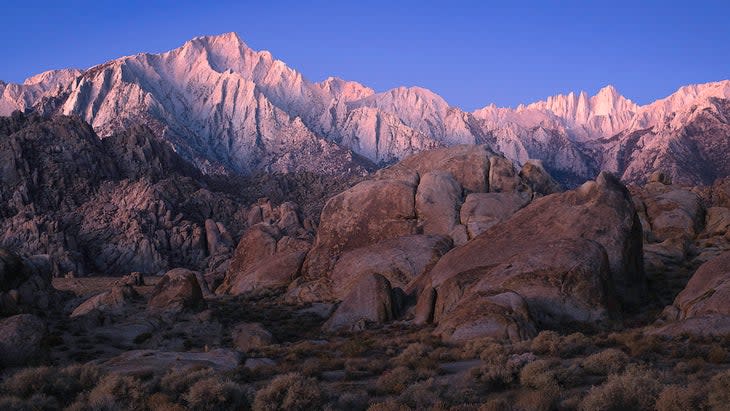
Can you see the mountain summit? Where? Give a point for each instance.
(229, 108)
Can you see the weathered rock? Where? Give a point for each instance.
(502, 316)
(250, 336)
(502, 175)
(468, 164)
(400, 260)
(370, 212)
(177, 290)
(543, 253)
(438, 199)
(264, 259)
(717, 222)
(20, 339)
(134, 279)
(660, 177)
(483, 210)
(111, 302)
(425, 305)
(124, 203)
(389, 205)
(13, 272)
(720, 196)
(534, 175)
(370, 301)
(215, 240)
(702, 307)
(459, 235)
(708, 290)
(676, 212)
(25, 283)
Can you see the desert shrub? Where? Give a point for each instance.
(539, 374)
(396, 380)
(495, 376)
(690, 366)
(574, 344)
(27, 381)
(634, 389)
(542, 399)
(311, 367)
(389, 405)
(177, 381)
(163, 402)
(115, 389)
(493, 352)
(355, 400)
(547, 342)
(572, 376)
(542, 386)
(216, 393)
(608, 361)
(413, 356)
(640, 345)
(474, 348)
(717, 354)
(355, 347)
(570, 402)
(718, 396)
(422, 395)
(289, 392)
(37, 402)
(496, 404)
(63, 384)
(678, 398)
(358, 367)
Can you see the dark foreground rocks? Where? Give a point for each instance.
(20, 339)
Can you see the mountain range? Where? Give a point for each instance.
(230, 109)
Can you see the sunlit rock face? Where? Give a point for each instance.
(226, 107)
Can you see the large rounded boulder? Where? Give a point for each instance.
(571, 256)
(271, 252)
(702, 307)
(400, 260)
(178, 290)
(368, 213)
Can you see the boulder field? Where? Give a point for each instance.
(461, 238)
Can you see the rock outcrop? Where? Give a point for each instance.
(672, 217)
(702, 307)
(499, 315)
(25, 283)
(400, 260)
(270, 253)
(568, 255)
(20, 339)
(109, 302)
(371, 300)
(176, 291)
(398, 225)
(114, 206)
(423, 194)
(250, 336)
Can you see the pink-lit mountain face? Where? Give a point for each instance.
(228, 108)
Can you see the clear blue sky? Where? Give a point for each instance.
(471, 53)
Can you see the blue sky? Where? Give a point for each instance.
(471, 53)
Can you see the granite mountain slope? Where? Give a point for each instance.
(228, 108)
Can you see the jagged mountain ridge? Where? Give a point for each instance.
(227, 107)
